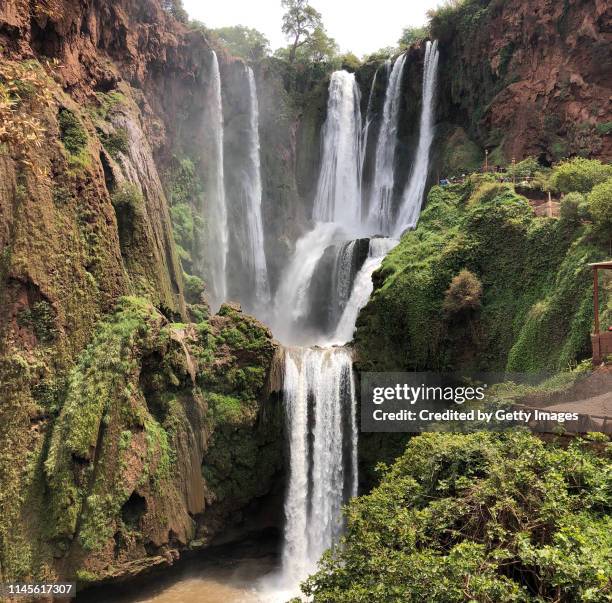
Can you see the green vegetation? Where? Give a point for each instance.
(600, 204)
(604, 128)
(115, 142)
(194, 288)
(412, 35)
(480, 517)
(580, 175)
(74, 137)
(244, 42)
(536, 307)
(464, 294)
(300, 21)
(40, 318)
(96, 386)
(574, 208)
(176, 9)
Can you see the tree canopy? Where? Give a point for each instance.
(245, 42)
(300, 22)
(479, 517)
(410, 35)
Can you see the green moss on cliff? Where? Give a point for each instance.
(536, 310)
(103, 379)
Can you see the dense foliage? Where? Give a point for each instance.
(245, 42)
(478, 517)
(580, 175)
(536, 300)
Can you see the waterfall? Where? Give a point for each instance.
(366, 135)
(319, 391)
(381, 197)
(319, 387)
(342, 279)
(362, 288)
(252, 251)
(413, 195)
(291, 301)
(216, 217)
(338, 197)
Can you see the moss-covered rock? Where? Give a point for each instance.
(162, 423)
(536, 301)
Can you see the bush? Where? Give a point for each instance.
(72, 132)
(464, 294)
(604, 128)
(116, 142)
(580, 175)
(523, 169)
(487, 191)
(127, 196)
(600, 204)
(479, 517)
(570, 207)
(194, 288)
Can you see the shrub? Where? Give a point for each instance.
(604, 128)
(464, 294)
(600, 204)
(116, 142)
(487, 191)
(128, 195)
(580, 175)
(176, 9)
(24, 95)
(349, 62)
(525, 168)
(479, 517)
(72, 132)
(194, 288)
(570, 207)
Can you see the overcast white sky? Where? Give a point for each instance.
(360, 26)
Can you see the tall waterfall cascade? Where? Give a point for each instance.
(413, 195)
(338, 197)
(253, 251)
(381, 194)
(319, 391)
(319, 386)
(218, 239)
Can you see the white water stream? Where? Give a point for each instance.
(216, 210)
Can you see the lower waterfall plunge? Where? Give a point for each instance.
(319, 392)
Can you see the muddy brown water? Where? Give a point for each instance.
(229, 577)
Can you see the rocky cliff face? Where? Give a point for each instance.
(524, 78)
(125, 435)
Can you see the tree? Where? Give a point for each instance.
(600, 204)
(176, 9)
(320, 47)
(476, 517)
(410, 35)
(244, 42)
(580, 174)
(300, 21)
